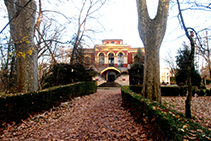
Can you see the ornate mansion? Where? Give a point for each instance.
(110, 59)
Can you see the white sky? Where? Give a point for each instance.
(121, 17)
(121, 21)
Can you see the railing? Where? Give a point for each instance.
(120, 65)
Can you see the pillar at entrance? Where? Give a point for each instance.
(115, 59)
(106, 59)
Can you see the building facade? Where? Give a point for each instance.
(110, 59)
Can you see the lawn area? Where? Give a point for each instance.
(201, 107)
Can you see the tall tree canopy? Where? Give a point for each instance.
(151, 32)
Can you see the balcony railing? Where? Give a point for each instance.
(120, 65)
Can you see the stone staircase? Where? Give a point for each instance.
(110, 84)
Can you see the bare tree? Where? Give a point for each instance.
(205, 52)
(22, 21)
(7, 68)
(190, 61)
(170, 61)
(85, 14)
(151, 32)
(42, 30)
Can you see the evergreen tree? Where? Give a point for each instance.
(139, 57)
(137, 69)
(182, 68)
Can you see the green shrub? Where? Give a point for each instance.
(136, 74)
(15, 107)
(208, 81)
(136, 88)
(208, 92)
(165, 90)
(171, 124)
(202, 86)
(170, 91)
(62, 74)
(201, 93)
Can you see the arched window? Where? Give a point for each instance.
(101, 59)
(120, 60)
(111, 59)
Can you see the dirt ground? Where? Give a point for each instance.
(200, 107)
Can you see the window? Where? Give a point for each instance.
(111, 59)
(101, 59)
(120, 60)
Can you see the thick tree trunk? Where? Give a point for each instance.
(151, 87)
(209, 68)
(151, 32)
(22, 29)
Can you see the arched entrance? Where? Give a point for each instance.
(110, 73)
(111, 76)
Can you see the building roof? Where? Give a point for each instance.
(112, 40)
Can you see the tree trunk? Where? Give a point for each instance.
(22, 29)
(190, 92)
(151, 32)
(209, 65)
(189, 97)
(190, 64)
(151, 87)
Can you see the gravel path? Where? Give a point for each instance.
(98, 116)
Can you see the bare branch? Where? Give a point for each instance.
(7, 2)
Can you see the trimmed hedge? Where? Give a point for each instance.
(171, 124)
(15, 107)
(173, 90)
(165, 90)
(208, 91)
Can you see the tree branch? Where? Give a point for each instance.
(16, 15)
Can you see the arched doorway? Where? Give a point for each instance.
(110, 73)
(111, 76)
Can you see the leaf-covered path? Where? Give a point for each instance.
(98, 116)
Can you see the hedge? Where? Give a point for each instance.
(172, 125)
(15, 107)
(165, 90)
(173, 90)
